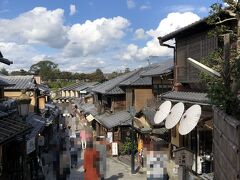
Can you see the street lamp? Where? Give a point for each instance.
(132, 112)
(23, 103)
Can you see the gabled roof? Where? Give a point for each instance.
(160, 69)
(191, 97)
(10, 128)
(108, 86)
(197, 26)
(4, 82)
(20, 82)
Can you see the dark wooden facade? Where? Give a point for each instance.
(196, 46)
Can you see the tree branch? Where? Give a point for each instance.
(225, 20)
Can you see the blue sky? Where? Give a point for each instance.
(82, 35)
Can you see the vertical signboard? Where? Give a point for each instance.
(114, 148)
(110, 137)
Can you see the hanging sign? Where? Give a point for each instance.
(110, 137)
(114, 148)
(30, 145)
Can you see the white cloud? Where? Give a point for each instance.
(21, 55)
(94, 37)
(140, 34)
(131, 4)
(145, 7)
(38, 26)
(169, 24)
(73, 10)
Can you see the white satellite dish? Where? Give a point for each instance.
(162, 112)
(175, 115)
(189, 119)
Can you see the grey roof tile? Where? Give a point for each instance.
(87, 108)
(122, 118)
(20, 82)
(4, 82)
(10, 128)
(163, 68)
(107, 86)
(194, 97)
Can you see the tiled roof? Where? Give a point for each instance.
(4, 82)
(163, 68)
(71, 87)
(122, 118)
(37, 123)
(20, 82)
(107, 86)
(136, 80)
(87, 108)
(86, 86)
(201, 23)
(10, 128)
(191, 97)
(160, 131)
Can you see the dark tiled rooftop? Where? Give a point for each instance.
(193, 97)
(20, 82)
(10, 128)
(122, 118)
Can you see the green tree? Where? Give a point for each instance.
(46, 69)
(223, 91)
(97, 76)
(4, 71)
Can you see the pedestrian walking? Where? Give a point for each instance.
(101, 148)
(83, 138)
(91, 163)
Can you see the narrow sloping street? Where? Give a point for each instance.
(115, 168)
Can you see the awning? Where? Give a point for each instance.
(10, 128)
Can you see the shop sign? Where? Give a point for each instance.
(114, 148)
(30, 145)
(41, 140)
(110, 137)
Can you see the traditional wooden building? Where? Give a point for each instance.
(194, 42)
